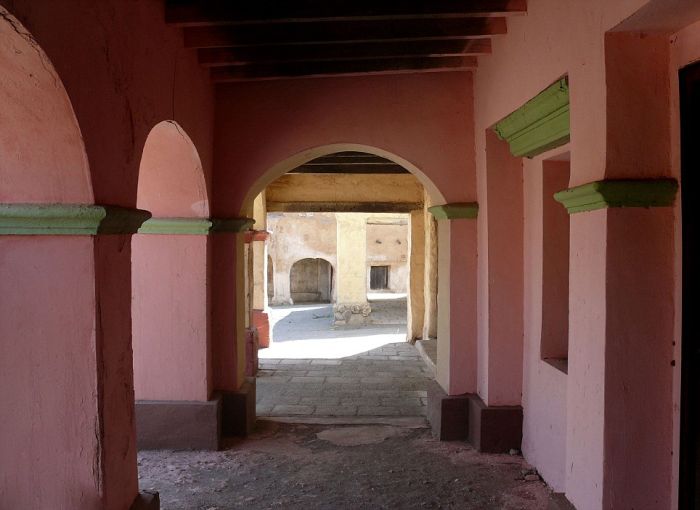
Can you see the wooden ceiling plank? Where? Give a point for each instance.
(343, 32)
(265, 71)
(212, 57)
(190, 13)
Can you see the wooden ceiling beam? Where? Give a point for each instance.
(212, 57)
(352, 67)
(343, 32)
(189, 13)
(354, 168)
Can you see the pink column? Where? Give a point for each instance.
(115, 382)
(51, 443)
(171, 323)
(457, 305)
(500, 306)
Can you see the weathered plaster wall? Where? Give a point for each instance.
(170, 336)
(295, 237)
(387, 245)
(544, 387)
(410, 116)
(34, 102)
(48, 446)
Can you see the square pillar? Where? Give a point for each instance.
(351, 308)
(416, 263)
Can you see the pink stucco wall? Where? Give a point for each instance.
(171, 179)
(500, 287)
(49, 444)
(544, 387)
(34, 102)
(170, 335)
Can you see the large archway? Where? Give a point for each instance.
(455, 366)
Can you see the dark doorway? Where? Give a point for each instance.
(689, 494)
(379, 277)
(311, 281)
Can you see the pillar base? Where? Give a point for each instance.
(261, 322)
(178, 425)
(494, 429)
(238, 410)
(448, 415)
(490, 429)
(558, 501)
(351, 314)
(251, 352)
(146, 500)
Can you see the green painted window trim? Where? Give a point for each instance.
(618, 193)
(69, 219)
(231, 225)
(455, 211)
(541, 124)
(175, 226)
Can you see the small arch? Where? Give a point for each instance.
(311, 281)
(171, 179)
(42, 155)
(300, 158)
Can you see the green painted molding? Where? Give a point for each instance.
(231, 225)
(540, 124)
(455, 211)
(618, 193)
(190, 226)
(121, 220)
(69, 219)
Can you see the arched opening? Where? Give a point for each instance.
(51, 453)
(311, 281)
(323, 214)
(170, 297)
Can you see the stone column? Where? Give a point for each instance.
(351, 308)
(416, 264)
(430, 278)
(258, 253)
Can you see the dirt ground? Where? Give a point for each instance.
(297, 466)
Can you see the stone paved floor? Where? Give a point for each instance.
(313, 370)
(387, 381)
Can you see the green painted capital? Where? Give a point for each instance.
(69, 219)
(176, 226)
(455, 211)
(540, 124)
(121, 220)
(231, 225)
(618, 193)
